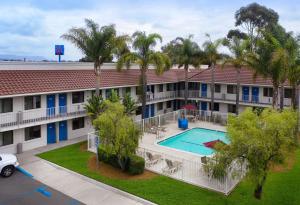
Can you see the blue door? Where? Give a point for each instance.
(204, 90)
(51, 133)
(63, 131)
(245, 93)
(152, 110)
(255, 94)
(50, 105)
(147, 111)
(62, 103)
(203, 105)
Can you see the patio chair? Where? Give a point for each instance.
(152, 159)
(153, 130)
(172, 166)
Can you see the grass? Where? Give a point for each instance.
(281, 187)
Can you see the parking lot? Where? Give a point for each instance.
(20, 189)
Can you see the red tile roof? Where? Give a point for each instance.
(18, 82)
(15, 82)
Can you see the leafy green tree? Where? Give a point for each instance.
(144, 55)
(118, 133)
(212, 55)
(254, 18)
(97, 44)
(238, 48)
(94, 106)
(258, 140)
(184, 52)
(129, 104)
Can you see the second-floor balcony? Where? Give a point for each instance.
(160, 96)
(36, 116)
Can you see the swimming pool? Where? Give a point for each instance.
(193, 139)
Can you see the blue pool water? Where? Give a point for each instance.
(193, 139)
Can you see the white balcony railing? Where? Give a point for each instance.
(38, 115)
(160, 96)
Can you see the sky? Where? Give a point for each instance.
(33, 27)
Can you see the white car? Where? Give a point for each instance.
(8, 164)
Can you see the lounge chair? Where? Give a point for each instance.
(172, 166)
(152, 159)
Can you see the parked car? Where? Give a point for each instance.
(8, 164)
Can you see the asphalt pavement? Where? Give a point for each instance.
(22, 189)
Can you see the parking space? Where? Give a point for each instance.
(21, 189)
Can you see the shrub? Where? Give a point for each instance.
(108, 158)
(136, 165)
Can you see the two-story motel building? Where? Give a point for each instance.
(43, 103)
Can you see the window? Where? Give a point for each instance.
(160, 106)
(94, 92)
(232, 108)
(161, 88)
(32, 102)
(6, 105)
(216, 107)
(128, 90)
(138, 110)
(169, 104)
(268, 92)
(77, 97)
(32, 132)
(138, 90)
(287, 93)
(170, 87)
(231, 89)
(78, 123)
(6, 138)
(217, 88)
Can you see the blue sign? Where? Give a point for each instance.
(59, 50)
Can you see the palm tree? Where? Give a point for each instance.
(129, 104)
(144, 55)
(212, 56)
(184, 52)
(238, 48)
(94, 107)
(97, 44)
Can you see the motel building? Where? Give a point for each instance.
(43, 103)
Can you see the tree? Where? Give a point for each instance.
(184, 52)
(114, 96)
(94, 107)
(144, 55)
(253, 18)
(212, 56)
(118, 133)
(97, 44)
(236, 33)
(259, 140)
(129, 104)
(238, 48)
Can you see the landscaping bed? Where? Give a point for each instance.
(281, 187)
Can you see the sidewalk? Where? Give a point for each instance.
(79, 187)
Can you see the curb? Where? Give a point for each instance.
(102, 185)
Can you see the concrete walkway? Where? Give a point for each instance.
(85, 190)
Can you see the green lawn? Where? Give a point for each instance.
(281, 188)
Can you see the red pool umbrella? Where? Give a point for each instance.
(189, 107)
(211, 144)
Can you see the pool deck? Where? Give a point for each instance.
(149, 141)
(191, 169)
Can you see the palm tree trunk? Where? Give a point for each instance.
(212, 88)
(294, 97)
(275, 96)
(281, 96)
(238, 85)
(186, 68)
(144, 91)
(97, 73)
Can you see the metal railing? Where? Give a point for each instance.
(38, 115)
(160, 96)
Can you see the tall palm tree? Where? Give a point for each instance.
(145, 55)
(184, 52)
(97, 44)
(238, 48)
(212, 56)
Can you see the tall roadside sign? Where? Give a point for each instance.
(59, 51)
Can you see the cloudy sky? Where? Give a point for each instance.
(33, 27)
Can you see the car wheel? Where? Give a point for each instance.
(7, 171)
